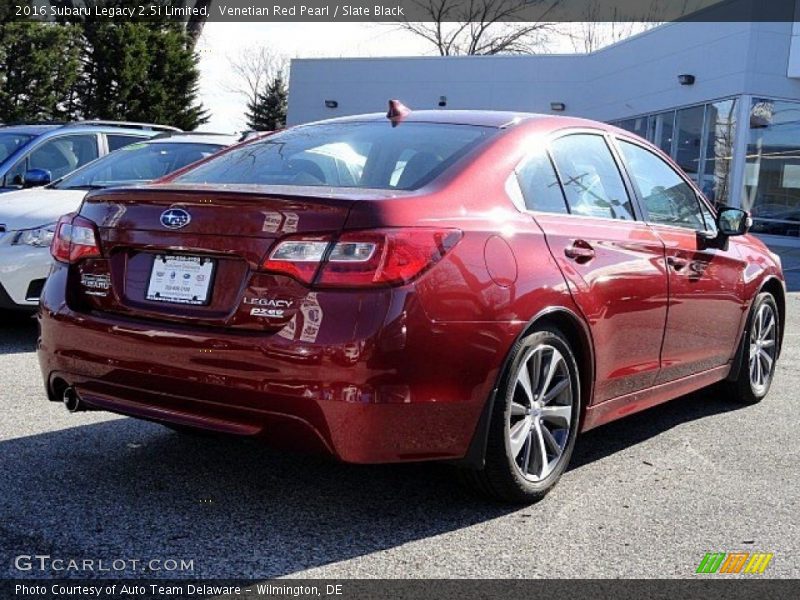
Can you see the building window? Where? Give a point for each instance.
(720, 131)
(688, 149)
(661, 131)
(772, 170)
(637, 126)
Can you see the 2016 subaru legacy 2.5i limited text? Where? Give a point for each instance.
(466, 286)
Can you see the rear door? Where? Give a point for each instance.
(707, 298)
(613, 263)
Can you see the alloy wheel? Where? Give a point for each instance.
(540, 416)
(763, 338)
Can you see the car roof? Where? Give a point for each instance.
(28, 129)
(485, 118)
(143, 130)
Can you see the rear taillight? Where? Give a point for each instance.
(298, 257)
(362, 258)
(75, 238)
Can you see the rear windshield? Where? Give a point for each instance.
(366, 155)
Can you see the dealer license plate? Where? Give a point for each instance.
(181, 279)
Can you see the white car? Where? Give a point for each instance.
(28, 216)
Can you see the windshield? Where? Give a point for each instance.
(11, 142)
(136, 163)
(368, 155)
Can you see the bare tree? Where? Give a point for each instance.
(457, 27)
(589, 36)
(253, 70)
(194, 26)
(607, 24)
(602, 26)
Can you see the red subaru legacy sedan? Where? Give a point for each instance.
(473, 287)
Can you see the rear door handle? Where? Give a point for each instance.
(580, 251)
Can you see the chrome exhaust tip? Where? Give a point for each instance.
(72, 401)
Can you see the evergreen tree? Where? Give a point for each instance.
(132, 70)
(140, 72)
(39, 66)
(268, 112)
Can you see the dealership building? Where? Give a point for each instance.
(723, 99)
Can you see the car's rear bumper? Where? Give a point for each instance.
(387, 388)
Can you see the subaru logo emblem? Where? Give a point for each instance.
(175, 218)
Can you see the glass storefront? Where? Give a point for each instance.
(699, 138)
(772, 169)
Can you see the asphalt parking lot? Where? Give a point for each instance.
(645, 497)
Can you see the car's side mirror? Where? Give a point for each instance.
(733, 221)
(36, 178)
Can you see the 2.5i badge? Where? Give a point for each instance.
(274, 313)
(268, 307)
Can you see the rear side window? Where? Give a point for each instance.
(137, 162)
(115, 142)
(366, 155)
(592, 182)
(540, 186)
(668, 199)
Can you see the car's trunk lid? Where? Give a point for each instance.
(193, 254)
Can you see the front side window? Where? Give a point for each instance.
(64, 154)
(363, 155)
(136, 163)
(668, 199)
(592, 182)
(11, 142)
(540, 186)
(16, 174)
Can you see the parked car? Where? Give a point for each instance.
(28, 217)
(36, 154)
(496, 281)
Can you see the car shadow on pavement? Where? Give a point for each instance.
(635, 429)
(129, 489)
(17, 332)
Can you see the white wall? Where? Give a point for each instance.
(636, 76)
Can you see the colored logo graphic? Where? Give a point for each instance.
(734, 562)
(175, 218)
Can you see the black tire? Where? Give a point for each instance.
(502, 477)
(743, 389)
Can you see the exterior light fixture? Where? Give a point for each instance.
(442, 101)
(686, 79)
(558, 106)
(331, 104)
